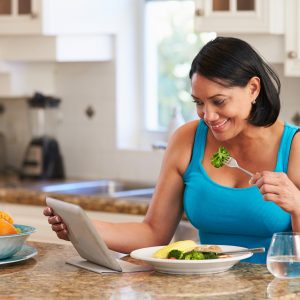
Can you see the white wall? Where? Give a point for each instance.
(88, 145)
(290, 91)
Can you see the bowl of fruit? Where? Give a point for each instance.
(12, 236)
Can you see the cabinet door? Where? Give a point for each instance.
(292, 38)
(239, 16)
(20, 16)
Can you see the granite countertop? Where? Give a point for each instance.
(12, 191)
(46, 276)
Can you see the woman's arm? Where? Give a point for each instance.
(165, 210)
(284, 189)
(294, 175)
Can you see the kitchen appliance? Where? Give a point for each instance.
(43, 159)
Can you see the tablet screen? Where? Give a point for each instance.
(83, 234)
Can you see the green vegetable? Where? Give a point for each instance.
(219, 158)
(175, 254)
(210, 255)
(193, 255)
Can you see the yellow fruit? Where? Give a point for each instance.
(6, 216)
(184, 246)
(7, 228)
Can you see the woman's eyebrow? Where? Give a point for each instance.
(195, 98)
(210, 97)
(216, 95)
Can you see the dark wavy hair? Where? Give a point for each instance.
(233, 62)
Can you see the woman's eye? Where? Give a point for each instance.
(198, 103)
(219, 102)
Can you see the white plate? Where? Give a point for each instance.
(207, 266)
(26, 252)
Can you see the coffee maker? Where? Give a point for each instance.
(43, 159)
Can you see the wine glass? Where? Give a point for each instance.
(283, 258)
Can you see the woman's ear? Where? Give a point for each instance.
(254, 87)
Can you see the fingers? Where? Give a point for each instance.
(267, 177)
(254, 178)
(48, 211)
(268, 184)
(59, 227)
(63, 234)
(54, 219)
(270, 189)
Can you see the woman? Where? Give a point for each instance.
(237, 99)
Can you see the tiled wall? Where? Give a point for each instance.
(88, 144)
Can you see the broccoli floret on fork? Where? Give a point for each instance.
(219, 158)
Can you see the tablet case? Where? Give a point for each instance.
(94, 254)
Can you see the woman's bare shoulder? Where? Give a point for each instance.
(294, 160)
(181, 144)
(185, 134)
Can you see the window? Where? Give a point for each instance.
(170, 46)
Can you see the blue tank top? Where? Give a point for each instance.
(233, 216)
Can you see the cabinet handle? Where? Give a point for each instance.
(292, 54)
(199, 12)
(33, 15)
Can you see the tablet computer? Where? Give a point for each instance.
(87, 240)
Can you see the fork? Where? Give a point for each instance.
(253, 250)
(232, 163)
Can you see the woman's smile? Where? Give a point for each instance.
(218, 127)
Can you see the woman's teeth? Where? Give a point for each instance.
(219, 125)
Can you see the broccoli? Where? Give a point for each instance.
(193, 255)
(210, 255)
(177, 254)
(218, 159)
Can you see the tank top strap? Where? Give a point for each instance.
(199, 142)
(285, 147)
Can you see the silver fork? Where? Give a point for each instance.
(253, 250)
(232, 163)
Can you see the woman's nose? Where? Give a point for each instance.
(210, 115)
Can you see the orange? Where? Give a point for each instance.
(7, 228)
(6, 216)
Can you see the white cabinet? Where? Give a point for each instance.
(292, 38)
(20, 16)
(61, 48)
(239, 16)
(55, 17)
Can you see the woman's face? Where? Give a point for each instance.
(224, 109)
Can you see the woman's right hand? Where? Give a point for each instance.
(57, 224)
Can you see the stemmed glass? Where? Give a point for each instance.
(283, 258)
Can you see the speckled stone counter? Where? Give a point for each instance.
(46, 276)
(96, 203)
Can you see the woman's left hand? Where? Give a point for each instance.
(278, 188)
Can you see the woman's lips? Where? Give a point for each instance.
(219, 126)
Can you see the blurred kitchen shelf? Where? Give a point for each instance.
(62, 48)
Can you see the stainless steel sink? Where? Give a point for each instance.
(110, 188)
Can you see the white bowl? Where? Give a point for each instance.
(12, 243)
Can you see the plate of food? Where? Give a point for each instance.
(187, 257)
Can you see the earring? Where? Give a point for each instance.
(253, 102)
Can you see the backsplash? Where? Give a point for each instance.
(88, 143)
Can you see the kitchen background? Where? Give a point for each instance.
(90, 55)
(94, 56)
